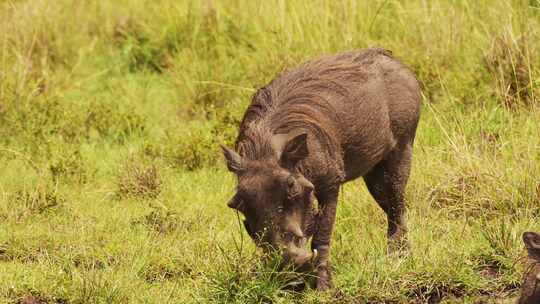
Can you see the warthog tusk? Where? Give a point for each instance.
(315, 254)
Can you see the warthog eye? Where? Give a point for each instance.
(288, 237)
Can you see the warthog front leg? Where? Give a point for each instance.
(323, 234)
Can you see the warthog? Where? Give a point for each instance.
(530, 290)
(310, 130)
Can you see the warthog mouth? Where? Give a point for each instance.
(301, 260)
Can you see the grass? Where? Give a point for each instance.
(113, 189)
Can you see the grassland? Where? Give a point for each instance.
(112, 188)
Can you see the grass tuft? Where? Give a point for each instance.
(138, 179)
(38, 201)
(162, 221)
(511, 64)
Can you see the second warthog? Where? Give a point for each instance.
(310, 130)
(530, 289)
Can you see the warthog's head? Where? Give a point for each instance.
(276, 200)
(530, 289)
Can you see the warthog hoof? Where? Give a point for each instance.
(398, 247)
(324, 279)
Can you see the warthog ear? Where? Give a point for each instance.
(532, 242)
(235, 203)
(234, 160)
(290, 148)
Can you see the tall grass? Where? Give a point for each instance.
(112, 186)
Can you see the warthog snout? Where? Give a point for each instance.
(298, 256)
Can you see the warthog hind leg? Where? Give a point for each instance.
(386, 182)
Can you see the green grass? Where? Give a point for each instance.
(113, 189)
